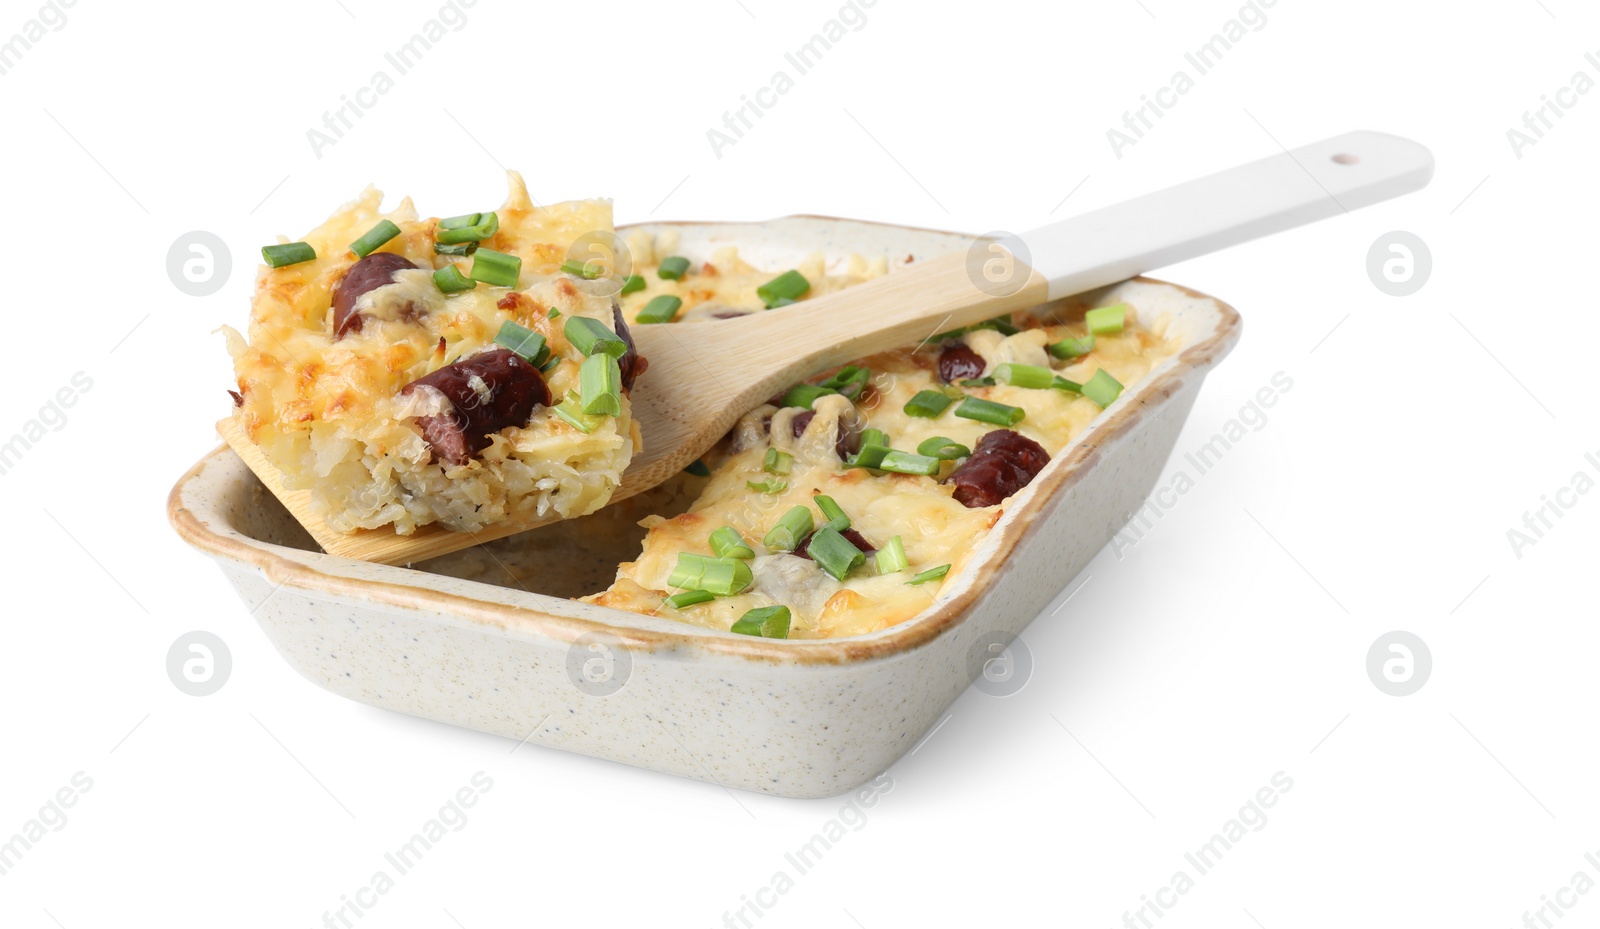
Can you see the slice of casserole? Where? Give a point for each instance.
(408, 371)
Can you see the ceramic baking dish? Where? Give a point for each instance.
(793, 718)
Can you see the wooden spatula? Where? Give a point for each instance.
(703, 377)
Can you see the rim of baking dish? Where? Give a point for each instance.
(969, 583)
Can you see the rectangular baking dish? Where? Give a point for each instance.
(791, 718)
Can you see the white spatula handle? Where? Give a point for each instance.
(1212, 213)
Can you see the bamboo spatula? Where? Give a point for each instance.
(703, 377)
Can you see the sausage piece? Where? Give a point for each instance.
(846, 440)
(957, 362)
(487, 392)
(1002, 464)
(374, 271)
(631, 364)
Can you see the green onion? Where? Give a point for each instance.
(599, 381)
(849, 382)
(782, 302)
(790, 285)
(1102, 388)
(522, 340)
(723, 577)
(932, 574)
(376, 236)
(870, 456)
(661, 309)
(465, 248)
(689, 598)
(777, 462)
(1070, 348)
(550, 365)
(496, 268)
(1071, 387)
(927, 404)
(943, 449)
(804, 395)
(483, 226)
(1106, 320)
(834, 553)
(978, 382)
(450, 280)
(635, 282)
(698, 468)
(907, 463)
(791, 528)
(1019, 375)
(835, 513)
(460, 222)
(767, 487)
(987, 411)
(728, 543)
(553, 314)
(583, 270)
(1000, 324)
(892, 557)
(590, 336)
(282, 256)
(572, 414)
(874, 437)
(672, 268)
(769, 622)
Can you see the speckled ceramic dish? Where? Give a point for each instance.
(794, 718)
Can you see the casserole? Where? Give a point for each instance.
(798, 718)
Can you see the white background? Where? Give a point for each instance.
(1226, 646)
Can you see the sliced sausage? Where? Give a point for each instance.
(1002, 464)
(631, 364)
(957, 362)
(376, 270)
(487, 392)
(846, 440)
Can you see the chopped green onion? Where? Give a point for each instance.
(892, 557)
(791, 528)
(599, 381)
(583, 270)
(553, 314)
(550, 365)
(987, 411)
(450, 280)
(870, 456)
(672, 268)
(978, 382)
(782, 302)
(282, 256)
(689, 598)
(849, 382)
(496, 268)
(927, 404)
(932, 574)
(1070, 348)
(728, 543)
(1071, 387)
(943, 449)
(804, 395)
(723, 577)
(465, 248)
(522, 340)
(1107, 320)
(590, 336)
(1000, 324)
(376, 236)
(1019, 375)
(834, 553)
(769, 622)
(874, 437)
(777, 462)
(635, 282)
(483, 226)
(698, 468)
(460, 222)
(661, 309)
(768, 487)
(1102, 388)
(790, 285)
(907, 463)
(572, 414)
(835, 513)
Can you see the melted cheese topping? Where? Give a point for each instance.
(329, 414)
